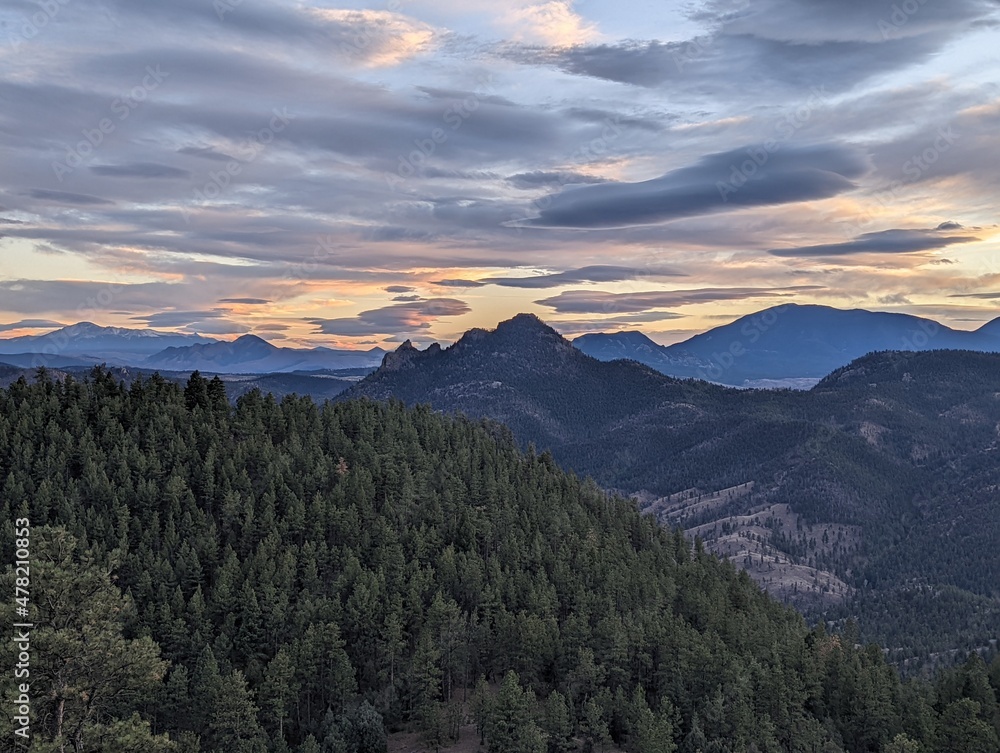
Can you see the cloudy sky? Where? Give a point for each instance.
(359, 173)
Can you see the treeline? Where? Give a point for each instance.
(288, 577)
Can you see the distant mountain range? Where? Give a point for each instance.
(824, 496)
(253, 355)
(87, 344)
(785, 346)
(318, 385)
(788, 342)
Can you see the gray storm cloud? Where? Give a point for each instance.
(752, 176)
(598, 302)
(884, 242)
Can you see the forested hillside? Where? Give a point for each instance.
(319, 385)
(276, 577)
(877, 487)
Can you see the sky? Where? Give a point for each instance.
(355, 174)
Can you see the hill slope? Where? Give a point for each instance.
(358, 565)
(635, 346)
(825, 494)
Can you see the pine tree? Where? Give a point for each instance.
(656, 728)
(593, 726)
(481, 706)
(206, 687)
(83, 667)
(277, 693)
(425, 690)
(557, 725)
(963, 731)
(366, 733)
(903, 744)
(510, 727)
(233, 726)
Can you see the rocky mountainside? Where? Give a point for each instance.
(884, 476)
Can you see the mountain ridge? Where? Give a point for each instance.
(791, 345)
(86, 343)
(789, 341)
(819, 493)
(95, 341)
(252, 354)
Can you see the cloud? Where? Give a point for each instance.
(553, 22)
(65, 197)
(205, 152)
(819, 21)
(981, 296)
(374, 37)
(139, 170)
(896, 299)
(401, 318)
(789, 43)
(31, 324)
(367, 37)
(539, 178)
(883, 242)
(594, 273)
(702, 63)
(597, 302)
(457, 283)
(718, 182)
(358, 194)
(653, 123)
(217, 327)
(177, 318)
(616, 323)
(88, 300)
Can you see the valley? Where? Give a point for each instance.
(763, 541)
(831, 498)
